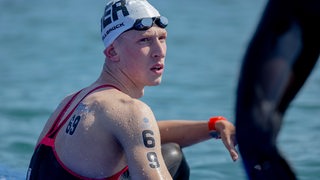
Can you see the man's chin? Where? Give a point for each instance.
(155, 83)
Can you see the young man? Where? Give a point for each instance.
(103, 130)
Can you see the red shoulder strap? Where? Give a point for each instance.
(50, 136)
(117, 176)
(64, 110)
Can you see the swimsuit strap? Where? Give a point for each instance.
(59, 123)
(49, 139)
(64, 110)
(117, 175)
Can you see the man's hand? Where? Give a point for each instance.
(228, 136)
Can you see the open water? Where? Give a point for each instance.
(50, 48)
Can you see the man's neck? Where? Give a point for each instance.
(120, 81)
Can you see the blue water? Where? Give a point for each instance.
(51, 48)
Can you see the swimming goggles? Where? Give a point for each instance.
(146, 23)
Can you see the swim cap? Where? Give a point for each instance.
(120, 15)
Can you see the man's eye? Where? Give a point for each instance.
(144, 40)
(162, 38)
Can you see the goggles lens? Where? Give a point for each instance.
(146, 23)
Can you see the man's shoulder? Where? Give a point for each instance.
(118, 99)
(118, 104)
(124, 114)
(132, 107)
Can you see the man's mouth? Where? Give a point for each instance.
(157, 67)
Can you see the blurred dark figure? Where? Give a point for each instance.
(279, 59)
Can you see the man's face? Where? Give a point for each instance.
(142, 55)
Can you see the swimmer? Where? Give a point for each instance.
(104, 131)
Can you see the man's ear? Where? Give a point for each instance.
(111, 53)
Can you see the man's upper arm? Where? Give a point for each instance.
(139, 136)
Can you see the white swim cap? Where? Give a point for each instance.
(120, 15)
